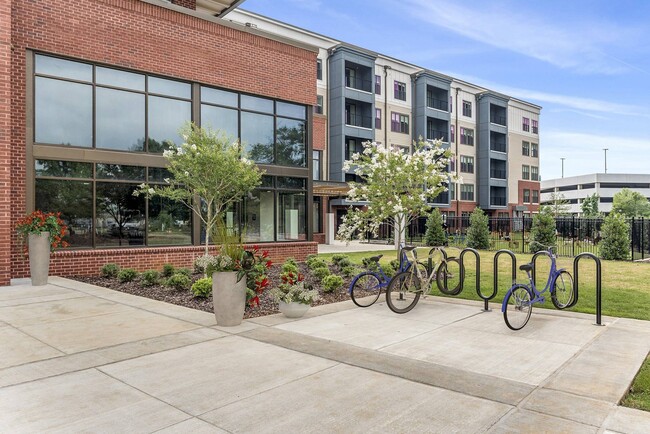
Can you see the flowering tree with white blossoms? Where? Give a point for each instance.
(397, 187)
(209, 174)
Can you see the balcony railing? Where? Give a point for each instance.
(436, 134)
(436, 103)
(358, 120)
(497, 173)
(358, 83)
(498, 147)
(497, 119)
(498, 201)
(442, 198)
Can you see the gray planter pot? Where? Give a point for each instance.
(39, 257)
(229, 298)
(293, 309)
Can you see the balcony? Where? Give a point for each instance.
(358, 83)
(437, 134)
(498, 142)
(442, 198)
(356, 120)
(498, 115)
(498, 173)
(498, 201)
(498, 147)
(496, 119)
(437, 104)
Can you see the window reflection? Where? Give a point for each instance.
(258, 216)
(117, 78)
(120, 171)
(292, 216)
(169, 223)
(120, 217)
(257, 136)
(63, 169)
(174, 88)
(166, 117)
(219, 97)
(290, 143)
(254, 103)
(63, 68)
(219, 118)
(63, 112)
(120, 119)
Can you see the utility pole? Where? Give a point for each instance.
(562, 158)
(605, 149)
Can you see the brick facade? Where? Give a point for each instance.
(190, 4)
(320, 132)
(526, 185)
(141, 36)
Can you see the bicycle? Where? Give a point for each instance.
(518, 302)
(366, 287)
(406, 287)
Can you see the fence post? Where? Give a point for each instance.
(573, 235)
(523, 233)
(642, 245)
(632, 239)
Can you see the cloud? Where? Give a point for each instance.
(578, 46)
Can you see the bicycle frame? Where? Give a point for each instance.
(431, 266)
(384, 280)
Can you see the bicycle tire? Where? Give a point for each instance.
(403, 292)
(518, 303)
(440, 278)
(366, 289)
(561, 296)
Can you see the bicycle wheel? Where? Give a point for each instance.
(365, 289)
(518, 307)
(403, 292)
(562, 292)
(452, 268)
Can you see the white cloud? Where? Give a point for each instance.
(580, 46)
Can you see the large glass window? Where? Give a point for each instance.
(291, 142)
(168, 223)
(120, 119)
(220, 118)
(292, 216)
(166, 116)
(257, 136)
(120, 218)
(259, 216)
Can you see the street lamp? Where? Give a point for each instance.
(605, 149)
(562, 158)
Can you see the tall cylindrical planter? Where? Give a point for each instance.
(39, 257)
(229, 298)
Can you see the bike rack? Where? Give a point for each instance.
(461, 257)
(430, 260)
(495, 269)
(534, 262)
(599, 277)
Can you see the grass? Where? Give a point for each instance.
(639, 395)
(625, 290)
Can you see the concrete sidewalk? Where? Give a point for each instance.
(82, 358)
(354, 246)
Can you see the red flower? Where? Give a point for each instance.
(265, 254)
(268, 264)
(255, 301)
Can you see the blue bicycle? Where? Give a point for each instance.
(366, 287)
(518, 302)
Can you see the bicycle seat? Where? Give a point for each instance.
(526, 267)
(375, 258)
(408, 248)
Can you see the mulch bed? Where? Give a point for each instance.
(185, 298)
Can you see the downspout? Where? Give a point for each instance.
(386, 68)
(456, 134)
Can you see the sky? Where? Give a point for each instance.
(586, 62)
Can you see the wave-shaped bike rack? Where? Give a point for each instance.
(461, 260)
(599, 277)
(495, 270)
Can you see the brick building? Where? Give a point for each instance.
(92, 90)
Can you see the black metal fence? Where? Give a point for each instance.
(574, 235)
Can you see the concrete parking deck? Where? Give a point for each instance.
(77, 357)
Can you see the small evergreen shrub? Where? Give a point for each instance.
(542, 233)
(311, 257)
(179, 282)
(185, 271)
(344, 262)
(316, 263)
(127, 275)
(338, 257)
(435, 234)
(289, 267)
(615, 243)
(349, 271)
(394, 264)
(168, 270)
(149, 278)
(291, 261)
(110, 270)
(321, 272)
(478, 233)
(332, 282)
(202, 287)
(369, 264)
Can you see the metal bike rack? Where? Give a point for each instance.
(495, 269)
(599, 277)
(478, 273)
(430, 260)
(534, 262)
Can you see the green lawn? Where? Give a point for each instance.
(625, 285)
(639, 395)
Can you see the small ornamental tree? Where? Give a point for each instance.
(558, 205)
(435, 234)
(397, 187)
(478, 233)
(209, 174)
(589, 206)
(542, 233)
(615, 244)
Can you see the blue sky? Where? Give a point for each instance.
(586, 62)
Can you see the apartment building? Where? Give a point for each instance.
(574, 189)
(364, 95)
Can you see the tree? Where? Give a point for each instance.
(542, 233)
(478, 234)
(558, 205)
(615, 244)
(397, 187)
(630, 204)
(435, 234)
(209, 173)
(589, 206)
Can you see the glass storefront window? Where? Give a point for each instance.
(292, 216)
(290, 110)
(120, 172)
(169, 223)
(290, 142)
(63, 169)
(173, 88)
(63, 68)
(117, 78)
(258, 214)
(219, 97)
(257, 137)
(120, 219)
(120, 120)
(220, 118)
(166, 116)
(256, 104)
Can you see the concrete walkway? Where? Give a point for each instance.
(353, 246)
(76, 357)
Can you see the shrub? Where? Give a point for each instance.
(344, 262)
(615, 243)
(185, 271)
(542, 233)
(127, 275)
(349, 271)
(179, 281)
(288, 267)
(316, 263)
(149, 278)
(110, 270)
(321, 272)
(478, 234)
(291, 261)
(168, 270)
(435, 234)
(332, 283)
(311, 257)
(338, 257)
(369, 264)
(202, 287)
(394, 264)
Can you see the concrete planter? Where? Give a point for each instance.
(39, 257)
(229, 298)
(293, 309)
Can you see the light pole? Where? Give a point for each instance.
(562, 158)
(605, 149)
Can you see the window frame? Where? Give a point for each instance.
(377, 84)
(525, 171)
(400, 123)
(467, 108)
(400, 90)
(525, 148)
(525, 126)
(466, 164)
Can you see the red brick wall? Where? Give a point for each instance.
(137, 35)
(320, 132)
(190, 4)
(526, 185)
(6, 126)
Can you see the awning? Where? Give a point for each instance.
(217, 8)
(330, 188)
